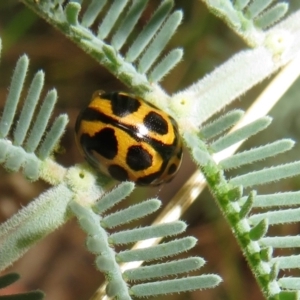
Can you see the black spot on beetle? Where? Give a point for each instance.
(93, 115)
(118, 173)
(172, 169)
(122, 105)
(156, 123)
(138, 158)
(103, 142)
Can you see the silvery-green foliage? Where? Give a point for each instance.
(141, 67)
(28, 144)
(237, 203)
(124, 285)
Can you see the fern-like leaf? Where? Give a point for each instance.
(141, 65)
(107, 260)
(248, 18)
(251, 229)
(18, 147)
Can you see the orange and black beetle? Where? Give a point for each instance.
(129, 139)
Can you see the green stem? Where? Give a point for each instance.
(226, 196)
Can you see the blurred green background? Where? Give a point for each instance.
(60, 265)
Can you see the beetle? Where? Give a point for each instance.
(127, 138)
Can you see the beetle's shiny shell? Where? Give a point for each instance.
(128, 139)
